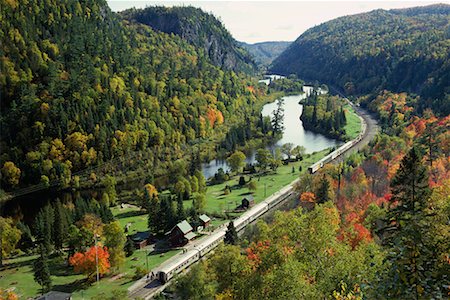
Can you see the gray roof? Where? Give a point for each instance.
(190, 235)
(205, 218)
(249, 197)
(184, 226)
(140, 236)
(55, 295)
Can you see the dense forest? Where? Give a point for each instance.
(200, 29)
(373, 227)
(80, 86)
(324, 114)
(265, 52)
(405, 50)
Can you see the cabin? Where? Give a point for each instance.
(247, 202)
(204, 220)
(141, 239)
(55, 295)
(181, 234)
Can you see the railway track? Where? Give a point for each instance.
(146, 287)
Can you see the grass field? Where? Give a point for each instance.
(353, 126)
(218, 202)
(18, 272)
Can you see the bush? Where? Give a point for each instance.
(139, 273)
(242, 181)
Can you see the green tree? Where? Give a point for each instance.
(252, 186)
(129, 247)
(41, 270)
(199, 201)
(201, 181)
(298, 151)
(286, 149)
(263, 158)
(110, 188)
(196, 285)
(236, 161)
(231, 236)
(11, 173)
(10, 236)
(60, 225)
(44, 227)
(323, 190)
(411, 257)
(153, 215)
(115, 241)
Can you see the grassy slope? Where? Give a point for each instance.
(18, 272)
(353, 126)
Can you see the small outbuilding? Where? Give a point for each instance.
(140, 239)
(248, 202)
(181, 233)
(204, 220)
(55, 295)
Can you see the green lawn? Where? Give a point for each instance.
(217, 202)
(353, 126)
(18, 271)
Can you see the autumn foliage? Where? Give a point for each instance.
(308, 197)
(86, 262)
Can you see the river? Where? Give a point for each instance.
(293, 133)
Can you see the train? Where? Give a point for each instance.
(339, 151)
(198, 251)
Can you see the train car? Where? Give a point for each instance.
(211, 242)
(178, 265)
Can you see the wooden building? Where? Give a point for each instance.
(181, 234)
(141, 239)
(204, 220)
(248, 202)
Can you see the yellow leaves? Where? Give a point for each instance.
(57, 149)
(151, 190)
(11, 173)
(117, 85)
(12, 3)
(76, 141)
(64, 75)
(129, 102)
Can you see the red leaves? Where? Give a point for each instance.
(86, 262)
(308, 197)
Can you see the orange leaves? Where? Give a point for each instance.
(8, 295)
(151, 190)
(214, 116)
(308, 197)
(354, 232)
(255, 251)
(86, 262)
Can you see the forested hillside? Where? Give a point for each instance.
(200, 29)
(79, 87)
(398, 50)
(266, 52)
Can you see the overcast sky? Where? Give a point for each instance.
(259, 21)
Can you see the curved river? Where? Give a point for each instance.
(293, 133)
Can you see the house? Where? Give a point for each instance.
(204, 220)
(55, 295)
(181, 233)
(140, 239)
(248, 202)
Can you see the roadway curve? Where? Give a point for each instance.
(146, 288)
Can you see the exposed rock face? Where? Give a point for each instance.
(201, 29)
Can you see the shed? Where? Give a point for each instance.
(247, 202)
(140, 239)
(181, 233)
(205, 220)
(55, 295)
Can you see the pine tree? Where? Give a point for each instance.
(153, 215)
(231, 236)
(181, 214)
(323, 191)
(60, 225)
(410, 253)
(41, 270)
(129, 247)
(43, 226)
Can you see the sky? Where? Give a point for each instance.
(260, 21)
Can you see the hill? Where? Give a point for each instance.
(79, 86)
(266, 52)
(200, 29)
(399, 50)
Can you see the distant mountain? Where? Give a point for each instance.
(199, 28)
(400, 50)
(266, 52)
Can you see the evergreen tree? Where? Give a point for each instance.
(129, 247)
(60, 225)
(181, 214)
(41, 270)
(411, 258)
(43, 226)
(26, 239)
(323, 191)
(231, 236)
(154, 215)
